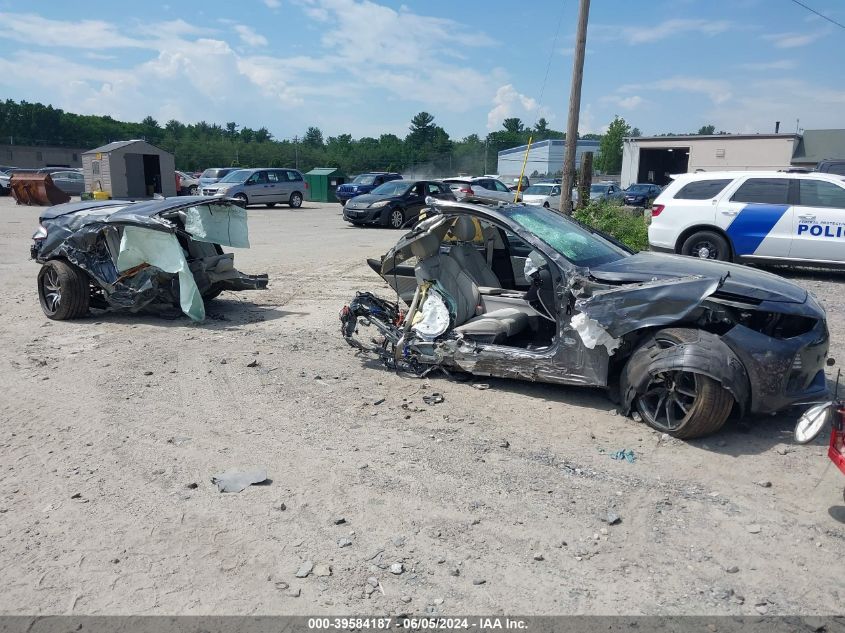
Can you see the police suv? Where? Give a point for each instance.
(773, 216)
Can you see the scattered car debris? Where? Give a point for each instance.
(254, 363)
(687, 340)
(236, 481)
(433, 398)
(481, 386)
(304, 569)
(156, 255)
(611, 518)
(624, 454)
(397, 568)
(322, 569)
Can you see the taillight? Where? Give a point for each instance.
(657, 209)
(306, 186)
(468, 191)
(40, 233)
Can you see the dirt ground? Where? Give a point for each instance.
(495, 501)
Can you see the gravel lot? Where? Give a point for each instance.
(494, 501)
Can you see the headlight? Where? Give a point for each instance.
(379, 204)
(221, 192)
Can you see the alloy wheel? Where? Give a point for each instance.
(397, 218)
(668, 399)
(705, 249)
(51, 290)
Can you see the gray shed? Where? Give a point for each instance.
(129, 169)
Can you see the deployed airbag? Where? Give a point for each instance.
(161, 250)
(224, 225)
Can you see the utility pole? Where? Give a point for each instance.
(296, 151)
(574, 108)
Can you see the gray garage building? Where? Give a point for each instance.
(130, 169)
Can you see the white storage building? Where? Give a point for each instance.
(544, 157)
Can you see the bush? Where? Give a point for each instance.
(629, 228)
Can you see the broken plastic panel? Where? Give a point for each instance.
(161, 250)
(223, 224)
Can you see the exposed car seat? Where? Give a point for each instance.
(468, 257)
(432, 266)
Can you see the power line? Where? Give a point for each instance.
(821, 15)
(551, 55)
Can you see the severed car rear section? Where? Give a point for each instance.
(160, 255)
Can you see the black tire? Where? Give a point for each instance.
(707, 245)
(193, 190)
(681, 403)
(395, 217)
(63, 290)
(295, 200)
(212, 294)
(270, 205)
(546, 204)
(243, 199)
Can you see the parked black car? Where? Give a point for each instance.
(395, 204)
(641, 194)
(364, 183)
(541, 297)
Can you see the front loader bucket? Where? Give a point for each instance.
(36, 189)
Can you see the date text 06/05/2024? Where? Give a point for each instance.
(418, 623)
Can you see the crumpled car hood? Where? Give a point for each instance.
(741, 281)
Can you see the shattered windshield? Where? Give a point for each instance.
(239, 176)
(392, 188)
(576, 244)
(364, 180)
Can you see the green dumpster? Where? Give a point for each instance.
(323, 182)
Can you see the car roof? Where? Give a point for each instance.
(731, 175)
(141, 212)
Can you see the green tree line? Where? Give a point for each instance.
(426, 149)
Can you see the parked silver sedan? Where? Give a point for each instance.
(71, 182)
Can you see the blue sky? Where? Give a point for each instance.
(367, 66)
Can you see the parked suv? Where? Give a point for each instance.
(772, 216)
(364, 183)
(832, 166)
(480, 189)
(213, 175)
(262, 186)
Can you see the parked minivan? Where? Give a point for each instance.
(766, 216)
(269, 186)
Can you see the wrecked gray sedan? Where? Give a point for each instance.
(162, 255)
(523, 292)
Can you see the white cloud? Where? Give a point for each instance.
(30, 28)
(648, 34)
(273, 4)
(626, 103)
(762, 103)
(508, 102)
(717, 90)
(249, 36)
(409, 55)
(780, 64)
(794, 40)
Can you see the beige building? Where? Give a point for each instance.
(129, 169)
(655, 158)
(37, 156)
